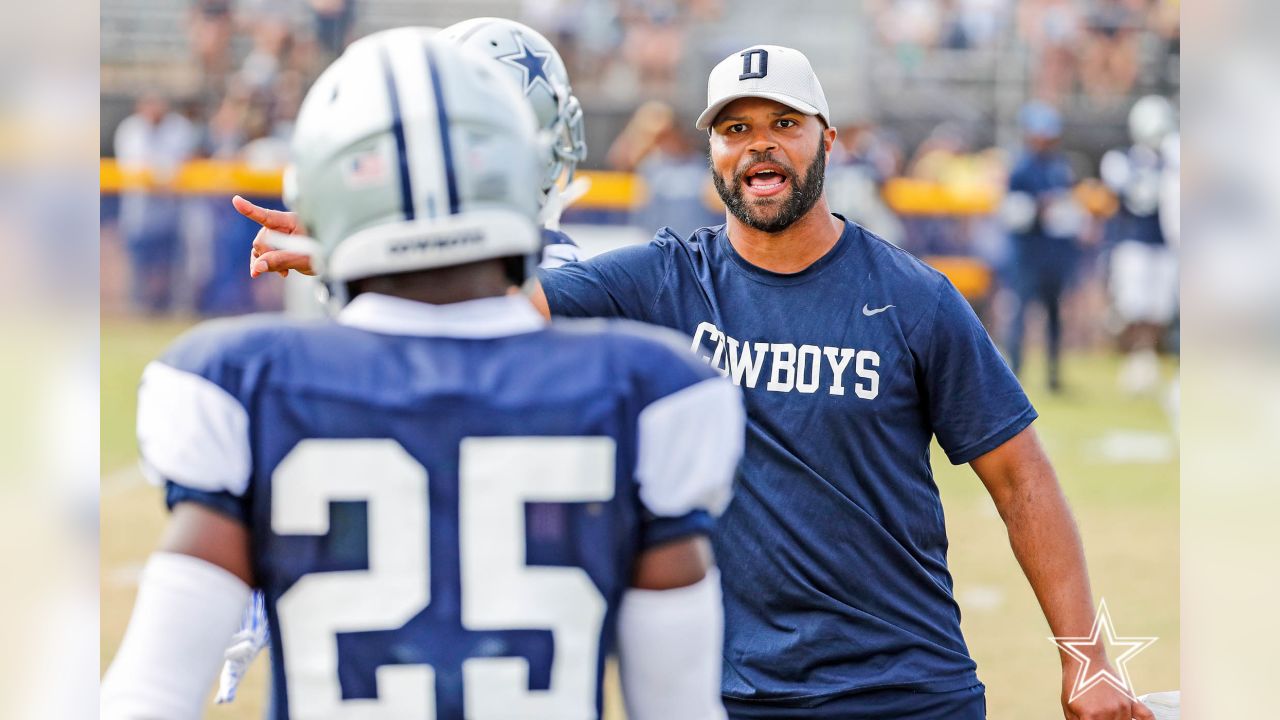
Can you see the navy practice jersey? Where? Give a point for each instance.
(445, 502)
(833, 552)
(1135, 176)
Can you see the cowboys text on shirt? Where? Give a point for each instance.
(803, 369)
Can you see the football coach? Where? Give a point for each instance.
(852, 356)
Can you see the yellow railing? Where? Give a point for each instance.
(907, 196)
(197, 177)
(608, 191)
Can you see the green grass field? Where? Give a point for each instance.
(1116, 457)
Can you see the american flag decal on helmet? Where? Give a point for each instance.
(365, 169)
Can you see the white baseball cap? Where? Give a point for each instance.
(765, 71)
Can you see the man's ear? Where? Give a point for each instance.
(828, 138)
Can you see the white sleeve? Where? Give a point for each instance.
(670, 646)
(192, 431)
(689, 447)
(1170, 192)
(186, 611)
(1114, 170)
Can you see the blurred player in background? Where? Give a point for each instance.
(1044, 223)
(451, 507)
(1143, 268)
(532, 61)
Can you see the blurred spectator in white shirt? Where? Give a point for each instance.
(156, 141)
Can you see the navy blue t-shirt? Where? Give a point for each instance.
(833, 551)
(440, 492)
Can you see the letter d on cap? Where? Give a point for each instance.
(748, 59)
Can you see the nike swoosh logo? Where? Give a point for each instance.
(869, 312)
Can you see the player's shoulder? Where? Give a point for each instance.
(644, 340)
(214, 346)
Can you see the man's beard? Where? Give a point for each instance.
(804, 193)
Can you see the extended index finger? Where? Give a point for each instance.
(278, 220)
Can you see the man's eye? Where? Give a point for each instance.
(786, 123)
(737, 128)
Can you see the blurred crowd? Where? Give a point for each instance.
(186, 254)
(246, 104)
(1096, 47)
(622, 49)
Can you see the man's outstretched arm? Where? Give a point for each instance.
(1047, 545)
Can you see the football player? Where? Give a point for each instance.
(452, 508)
(530, 61)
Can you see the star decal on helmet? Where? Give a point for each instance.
(532, 64)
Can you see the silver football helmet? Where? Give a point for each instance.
(412, 153)
(532, 61)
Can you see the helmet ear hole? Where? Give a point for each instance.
(519, 268)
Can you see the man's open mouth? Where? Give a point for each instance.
(763, 179)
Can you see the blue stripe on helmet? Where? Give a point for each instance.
(442, 119)
(397, 129)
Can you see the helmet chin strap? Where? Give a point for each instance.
(302, 244)
(332, 295)
(558, 200)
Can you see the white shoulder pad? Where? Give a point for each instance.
(192, 432)
(689, 447)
